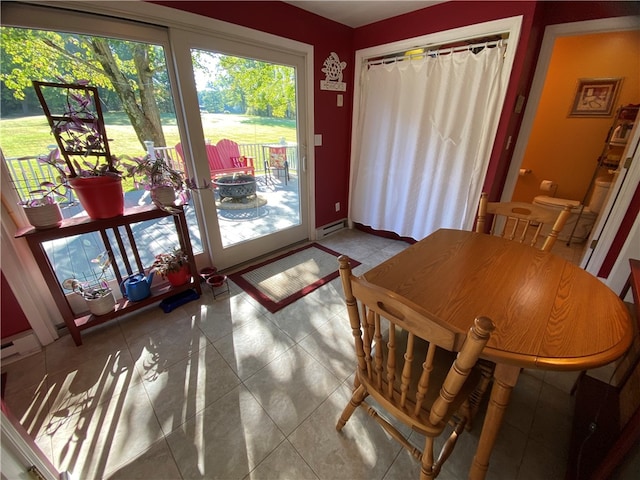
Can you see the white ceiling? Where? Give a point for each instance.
(356, 13)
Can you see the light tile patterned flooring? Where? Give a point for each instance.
(220, 388)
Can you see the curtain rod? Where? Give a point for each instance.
(400, 56)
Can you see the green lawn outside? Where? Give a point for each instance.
(30, 135)
(27, 136)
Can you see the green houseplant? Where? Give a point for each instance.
(174, 266)
(154, 173)
(78, 127)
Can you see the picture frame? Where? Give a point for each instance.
(595, 97)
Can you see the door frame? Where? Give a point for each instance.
(39, 299)
(180, 21)
(511, 25)
(616, 205)
(183, 42)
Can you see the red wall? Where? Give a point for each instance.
(12, 318)
(334, 123)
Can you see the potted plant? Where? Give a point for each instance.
(153, 173)
(42, 210)
(173, 266)
(97, 294)
(78, 127)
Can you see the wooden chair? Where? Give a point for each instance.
(522, 220)
(405, 362)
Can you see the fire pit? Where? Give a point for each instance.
(236, 187)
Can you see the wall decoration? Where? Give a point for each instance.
(595, 97)
(333, 68)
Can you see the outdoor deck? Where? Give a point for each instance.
(71, 257)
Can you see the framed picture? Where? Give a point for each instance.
(595, 97)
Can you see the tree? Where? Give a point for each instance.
(261, 88)
(131, 69)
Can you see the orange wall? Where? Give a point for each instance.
(565, 150)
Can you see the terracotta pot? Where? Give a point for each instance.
(101, 197)
(180, 277)
(44, 216)
(102, 305)
(163, 195)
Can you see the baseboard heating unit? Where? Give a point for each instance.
(330, 228)
(22, 344)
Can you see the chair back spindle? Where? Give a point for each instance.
(521, 221)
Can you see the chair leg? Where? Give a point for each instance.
(448, 447)
(476, 397)
(426, 468)
(356, 399)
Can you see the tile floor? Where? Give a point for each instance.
(222, 389)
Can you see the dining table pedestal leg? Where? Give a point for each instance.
(505, 378)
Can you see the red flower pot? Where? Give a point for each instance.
(101, 197)
(180, 277)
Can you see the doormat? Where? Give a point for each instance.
(280, 281)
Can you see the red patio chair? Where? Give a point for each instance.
(230, 153)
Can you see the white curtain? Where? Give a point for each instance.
(423, 141)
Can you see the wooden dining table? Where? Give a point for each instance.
(549, 313)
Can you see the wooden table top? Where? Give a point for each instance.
(548, 313)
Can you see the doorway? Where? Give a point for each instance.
(213, 230)
(525, 186)
(278, 212)
(248, 113)
(130, 98)
(412, 125)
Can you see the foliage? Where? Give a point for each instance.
(50, 191)
(134, 71)
(79, 129)
(150, 172)
(29, 54)
(96, 289)
(193, 184)
(244, 85)
(170, 262)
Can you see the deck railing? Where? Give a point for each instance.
(27, 172)
(258, 151)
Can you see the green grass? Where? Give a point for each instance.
(28, 136)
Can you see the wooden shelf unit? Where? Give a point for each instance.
(81, 225)
(618, 136)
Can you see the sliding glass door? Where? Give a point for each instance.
(208, 89)
(135, 87)
(242, 109)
